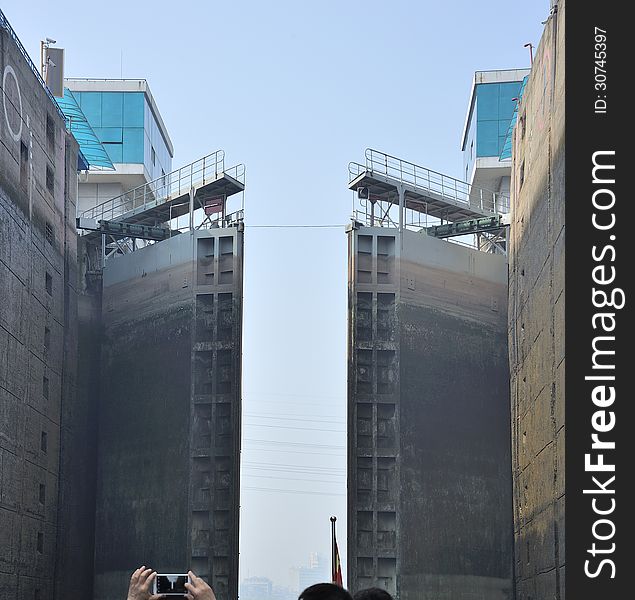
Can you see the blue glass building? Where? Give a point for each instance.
(125, 118)
(489, 114)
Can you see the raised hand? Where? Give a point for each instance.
(141, 585)
(198, 589)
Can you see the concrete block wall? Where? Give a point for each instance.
(429, 478)
(37, 327)
(536, 323)
(169, 438)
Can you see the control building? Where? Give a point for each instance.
(127, 122)
(491, 106)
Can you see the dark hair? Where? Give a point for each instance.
(325, 591)
(372, 594)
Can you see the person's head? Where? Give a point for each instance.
(325, 591)
(372, 594)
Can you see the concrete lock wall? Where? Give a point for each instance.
(430, 509)
(536, 323)
(169, 437)
(38, 337)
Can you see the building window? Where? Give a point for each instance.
(44, 442)
(45, 387)
(24, 163)
(153, 154)
(50, 132)
(48, 283)
(42, 494)
(40, 542)
(50, 179)
(50, 237)
(522, 175)
(47, 339)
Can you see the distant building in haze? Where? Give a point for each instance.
(317, 571)
(256, 588)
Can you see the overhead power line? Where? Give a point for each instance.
(277, 466)
(297, 428)
(294, 479)
(282, 451)
(298, 418)
(280, 490)
(285, 443)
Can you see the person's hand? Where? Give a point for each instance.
(198, 589)
(141, 584)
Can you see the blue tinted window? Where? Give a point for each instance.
(487, 138)
(90, 103)
(495, 107)
(503, 126)
(133, 109)
(109, 134)
(487, 95)
(114, 152)
(112, 109)
(506, 104)
(133, 145)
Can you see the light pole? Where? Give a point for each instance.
(531, 52)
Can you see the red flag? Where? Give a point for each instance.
(337, 569)
(336, 565)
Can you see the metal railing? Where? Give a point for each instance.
(426, 180)
(170, 186)
(4, 23)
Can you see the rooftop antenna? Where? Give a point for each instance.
(531, 52)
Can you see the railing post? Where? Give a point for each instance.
(191, 209)
(402, 202)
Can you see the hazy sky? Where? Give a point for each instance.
(294, 90)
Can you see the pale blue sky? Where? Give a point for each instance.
(294, 90)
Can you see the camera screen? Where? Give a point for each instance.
(171, 584)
